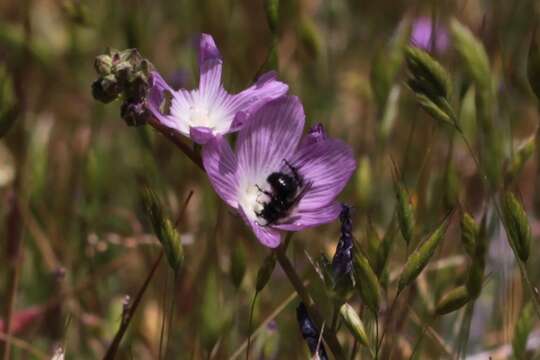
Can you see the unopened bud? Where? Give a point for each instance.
(266, 270)
(272, 14)
(106, 89)
(310, 333)
(367, 282)
(469, 234)
(103, 64)
(517, 225)
(354, 324)
(134, 114)
(452, 301)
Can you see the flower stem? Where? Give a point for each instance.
(177, 140)
(329, 337)
(130, 311)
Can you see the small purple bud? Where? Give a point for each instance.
(134, 113)
(310, 333)
(421, 35)
(342, 262)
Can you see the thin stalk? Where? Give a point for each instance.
(265, 322)
(130, 311)
(329, 337)
(251, 309)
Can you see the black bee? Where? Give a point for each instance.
(283, 196)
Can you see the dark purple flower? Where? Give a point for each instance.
(310, 333)
(421, 35)
(270, 143)
(210, 110)
(342, 261)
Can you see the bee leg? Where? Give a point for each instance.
(294, 171)
(265, 192)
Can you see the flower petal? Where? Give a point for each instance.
(325, 167)
(179, 103)
(200, 134)
(210, 64)
(315, 134)
(268, 236)
(220, 164)
(306, 219)
(208, 49)
(270, 136)
(250, 100)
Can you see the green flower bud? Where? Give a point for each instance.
(431, 84)
(164, 229)
(404, 212)
(271, 8)
(265, 272)
(418, 260)
(452, 301)
(469, 233)
(517, 226)
(367, 282)
(519, 158)
(354, 324)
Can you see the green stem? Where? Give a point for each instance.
(328, 336)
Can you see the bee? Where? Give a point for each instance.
(283, 196)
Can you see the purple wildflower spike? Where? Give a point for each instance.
(342, 261)
(421, 35)
(210, 110)
(271, 143)
(310, 333)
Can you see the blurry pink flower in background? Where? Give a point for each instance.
(421, 35)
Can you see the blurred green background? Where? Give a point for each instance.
(74, 237)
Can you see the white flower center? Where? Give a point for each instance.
(252, 201)
(200, 117)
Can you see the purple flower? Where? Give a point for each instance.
(210, 110)
(342, 261)
(314, 168)
(421, 35)
(310, 333)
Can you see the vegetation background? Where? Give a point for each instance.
(75, 239)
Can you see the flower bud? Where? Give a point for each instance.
(134, 114)
(271, 8)
(164, 229)
(517, 226)
(452, 301)
(404, 212)
(418, 260)
(310, 333)
(103, 64)
(519, 158)
(469, 233)
(354, 324)
(367, 282)
(266, 270)
(106, 89)
(431, 85)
